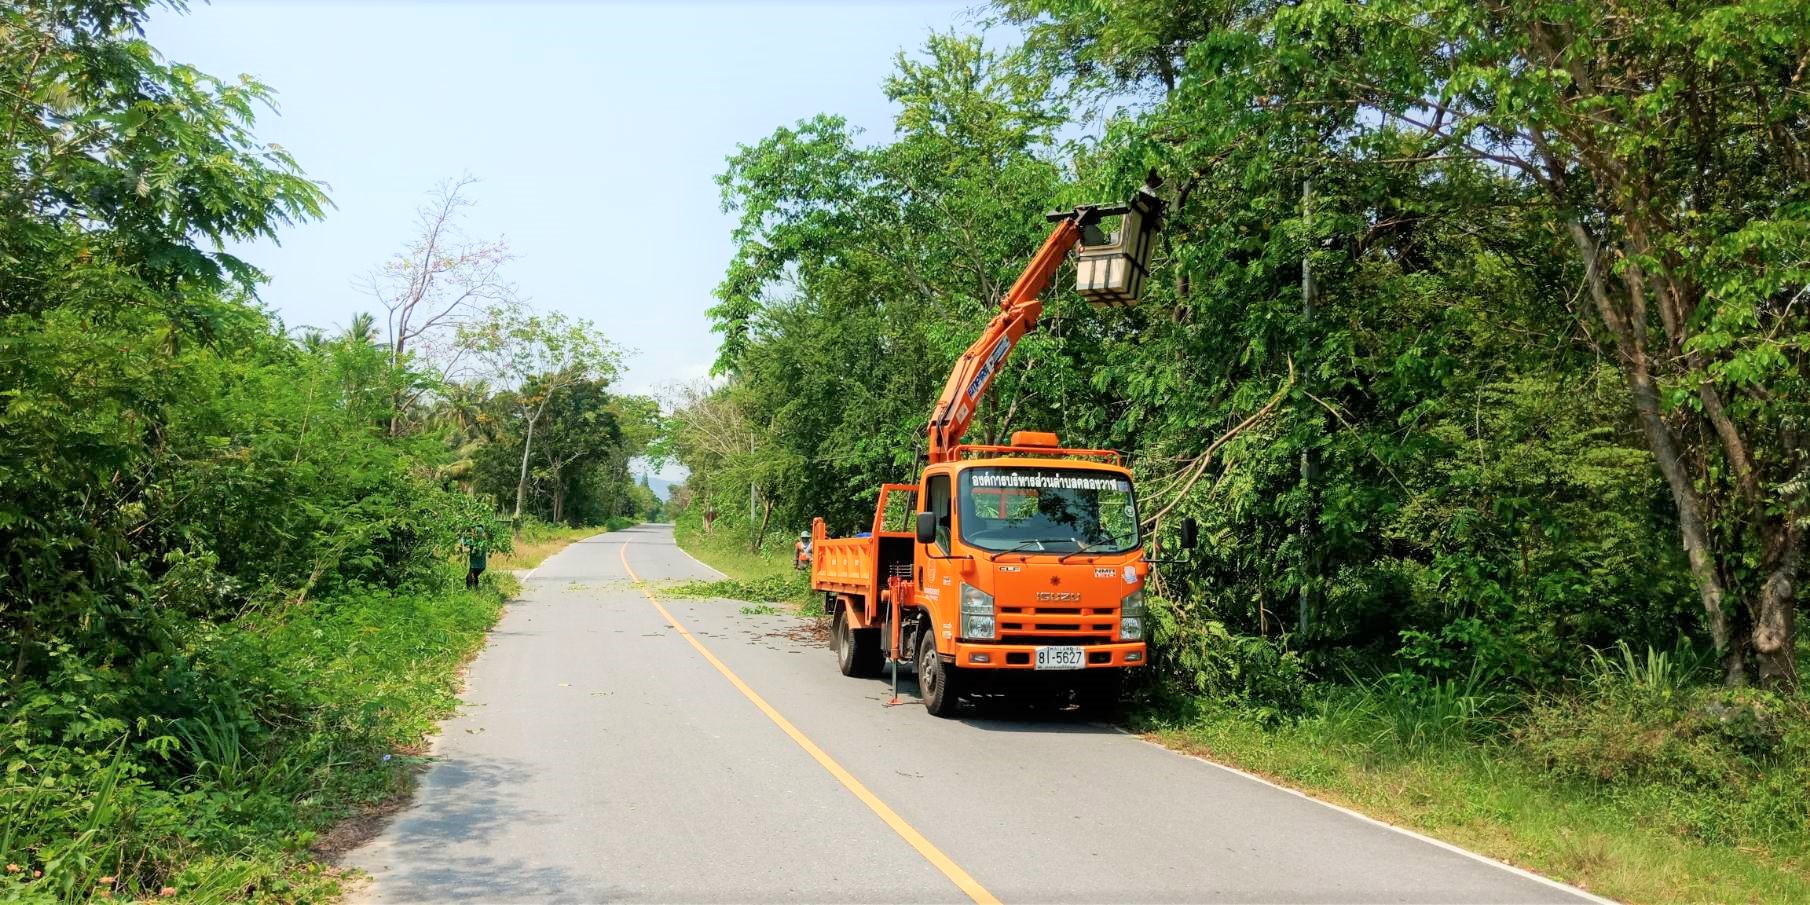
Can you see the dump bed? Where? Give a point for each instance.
(844, 565)
(858, 567)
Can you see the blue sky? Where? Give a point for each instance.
(596, 129)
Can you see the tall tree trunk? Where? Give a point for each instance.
(1629, 328)
(1775, 612)
(397, 398)
(521, 481)
(559, 500)
(766, 515)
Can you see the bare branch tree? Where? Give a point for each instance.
(439, 281)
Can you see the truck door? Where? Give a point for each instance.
(940, 581)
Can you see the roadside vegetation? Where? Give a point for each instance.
(1518, 558)
(763, 577)
(232, 550)
(1639, 781)
(262, 733)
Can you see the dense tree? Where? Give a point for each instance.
(1662, 146)
(862, 271)
(122, 176)
(181, 476)
(1464, 475)
(127, 170)
(578, 472)
(540, 358)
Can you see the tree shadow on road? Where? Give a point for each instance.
(449, 846)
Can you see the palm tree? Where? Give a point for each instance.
(363, 328)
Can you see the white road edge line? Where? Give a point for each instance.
(1548, 881)
(675, 545)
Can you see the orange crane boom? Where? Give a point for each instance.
(977, 367)
(1018, 313)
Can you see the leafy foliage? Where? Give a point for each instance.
(225, 605)
(1473, 473)
(117, 162)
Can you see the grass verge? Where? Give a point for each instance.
(728, 550)
(319, 711)
(1628, 838)
(760, 578)
(319, 716)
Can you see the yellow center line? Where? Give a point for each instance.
(905, 830)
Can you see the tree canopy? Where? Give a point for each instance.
(184, 478)
(1539, 267)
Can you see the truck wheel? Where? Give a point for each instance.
(1098, 694)
(937, 682)
(857, 650)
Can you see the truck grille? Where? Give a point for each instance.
(1058, 611)
(1057, 624)
(1071, 638)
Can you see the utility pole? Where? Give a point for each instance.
(1310, 291)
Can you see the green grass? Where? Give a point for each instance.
(727, 550)
(763, 578)
(323, 710)
(1684, 818)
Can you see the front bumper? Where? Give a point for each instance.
(1024, 656)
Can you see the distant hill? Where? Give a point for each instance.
(661, 487)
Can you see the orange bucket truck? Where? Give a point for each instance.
(1017, 568)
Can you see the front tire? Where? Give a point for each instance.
(938, 682)
(857, 650)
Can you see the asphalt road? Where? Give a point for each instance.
(607, 752)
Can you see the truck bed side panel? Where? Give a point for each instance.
(845, 566)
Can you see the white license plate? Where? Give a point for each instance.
(1061, 658)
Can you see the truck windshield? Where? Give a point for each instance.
(1048, 510)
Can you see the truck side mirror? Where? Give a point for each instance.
(1190, 533)
(926, 527)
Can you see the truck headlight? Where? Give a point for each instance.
(977, 614)
(1131, 628)
(1131, 616)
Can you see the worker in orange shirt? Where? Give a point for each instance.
(801, 551)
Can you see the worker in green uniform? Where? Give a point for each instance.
(477, 550)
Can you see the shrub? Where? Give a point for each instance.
(1729, 763)
(245, 739)
(1199, 656)
(1416, 713)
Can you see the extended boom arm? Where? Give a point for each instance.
(1018, 313)
(977, 367)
